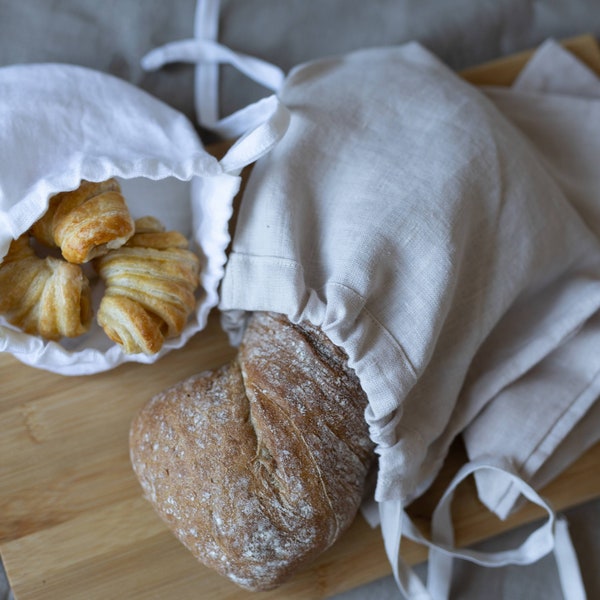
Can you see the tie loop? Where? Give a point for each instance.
(552, 535)
(260, 125)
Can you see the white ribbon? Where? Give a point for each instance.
(393, 517)
(206, 82)
(569, 572)
(551, 535)
(261, 124)
(213, 53)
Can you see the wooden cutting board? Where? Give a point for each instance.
(73, 524)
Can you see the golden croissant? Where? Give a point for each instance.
(86, 222)
(45, 296)
(150, 284)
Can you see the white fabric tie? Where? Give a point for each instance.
(551, 535)
(393, 518)
(261, 125)
(206, 82)
(212, 53)
(567, 563)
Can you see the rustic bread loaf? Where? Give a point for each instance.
(258, 467)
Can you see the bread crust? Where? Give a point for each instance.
(258, 467)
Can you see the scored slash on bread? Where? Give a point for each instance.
(258, 467)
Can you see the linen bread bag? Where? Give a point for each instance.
(404, 221)
(550, 416)
(63, 124)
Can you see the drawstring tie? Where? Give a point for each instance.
(259, 126)
(552, 535)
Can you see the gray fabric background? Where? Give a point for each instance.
(112, 36)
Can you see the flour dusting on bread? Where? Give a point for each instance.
(258, 467)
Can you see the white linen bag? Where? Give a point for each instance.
(60, 124)
(408, 218)
(550, 416)
(404, 215)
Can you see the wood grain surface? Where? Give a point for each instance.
(73, 524)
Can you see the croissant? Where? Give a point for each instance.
(150, 284)
(259, 466)
(44, 296)
(86, 222)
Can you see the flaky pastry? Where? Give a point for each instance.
(86, 222)
(43, 296)
(150, 284)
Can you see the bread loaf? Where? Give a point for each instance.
(258, 467)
